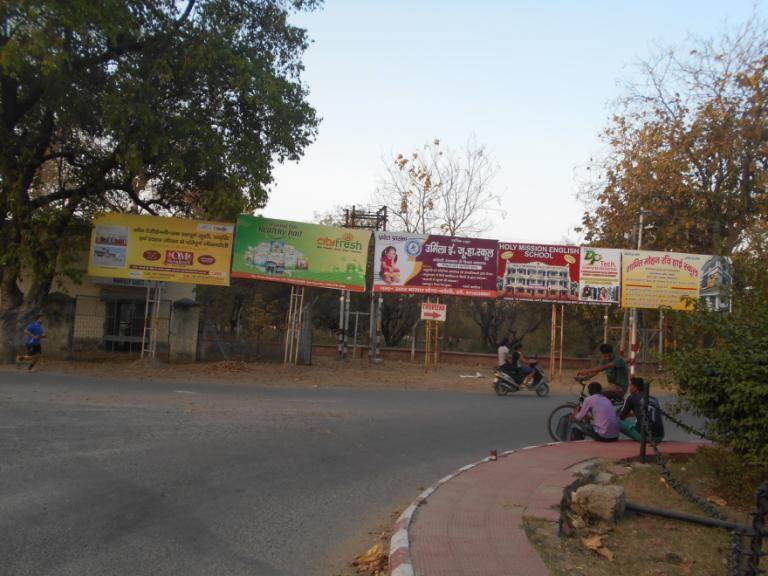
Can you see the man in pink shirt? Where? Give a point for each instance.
(603, 424)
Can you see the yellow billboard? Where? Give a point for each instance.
(161, 249)
(655, 279)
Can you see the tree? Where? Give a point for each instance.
(439, 190)
(501, 318)
(720, 368)
(688, 143)
(157, 106)
(434, 190)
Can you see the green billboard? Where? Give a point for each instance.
(299, 253)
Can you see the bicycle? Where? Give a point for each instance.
(559, 422)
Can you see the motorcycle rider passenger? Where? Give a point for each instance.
(522, 363)
(503, 352)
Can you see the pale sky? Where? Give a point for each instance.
(533, 80)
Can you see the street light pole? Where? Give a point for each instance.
(633, 311)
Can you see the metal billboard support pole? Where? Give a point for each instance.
(341, 325)
(347, 306)
(556, 339)
(151, 319)
(375, 328)
(661, 336)
(372, 328)
(552, 340)
(345, 301)
(293, 328)
(427, 340)
(354, 338)
(623, 340)
(436, 346)
(562, 340)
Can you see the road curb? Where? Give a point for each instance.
(400, 563)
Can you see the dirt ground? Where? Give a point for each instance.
(324, 373)
(647, 545)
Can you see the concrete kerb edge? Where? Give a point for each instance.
(400, 563)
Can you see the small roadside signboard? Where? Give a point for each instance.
(433, 311)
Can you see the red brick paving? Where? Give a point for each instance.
(472, 524)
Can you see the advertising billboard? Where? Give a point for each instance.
(674, 280)
(539, 272)
(299, 253)
(600, 276)
(430, 264)
(654, 279)
(141, 247)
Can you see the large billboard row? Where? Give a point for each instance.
(201, 252)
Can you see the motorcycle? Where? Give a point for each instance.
(507, 382)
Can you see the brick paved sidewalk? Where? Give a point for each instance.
(471, 525)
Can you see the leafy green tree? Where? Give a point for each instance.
(688, 143)
(158, 106)
(721, 368)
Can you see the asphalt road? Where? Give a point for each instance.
(145, 478)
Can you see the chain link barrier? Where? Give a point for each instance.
(683, 425)
(758, 532)
(673, 482)
(735, 557)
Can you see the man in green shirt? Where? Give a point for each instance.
(616, 372)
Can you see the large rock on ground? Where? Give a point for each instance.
(599, 502)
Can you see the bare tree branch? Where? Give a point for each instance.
(437, 189)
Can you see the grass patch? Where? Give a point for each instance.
(652, 546)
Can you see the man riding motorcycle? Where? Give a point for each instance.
(517, 363)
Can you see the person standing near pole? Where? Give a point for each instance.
(33, 334)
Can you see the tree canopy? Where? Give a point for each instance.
(152, 106)
(441, 190)
(689, 144)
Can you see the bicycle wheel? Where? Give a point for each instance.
(559, 421)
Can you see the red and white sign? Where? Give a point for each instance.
(179, 258)
(432, 311)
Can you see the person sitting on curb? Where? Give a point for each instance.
(615, 372)
(604, 425)
(633, 404)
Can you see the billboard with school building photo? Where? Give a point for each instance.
(540, 272)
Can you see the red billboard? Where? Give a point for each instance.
(541, 272)
(429, 264)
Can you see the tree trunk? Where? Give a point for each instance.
(17, 310)
(11, 300)
(398, 315)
